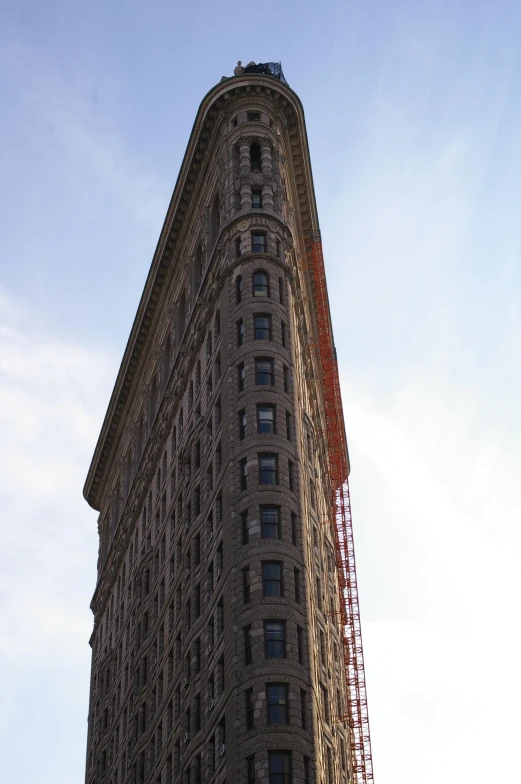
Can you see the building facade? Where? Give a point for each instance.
(216, 649)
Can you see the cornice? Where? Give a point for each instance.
(172, 236)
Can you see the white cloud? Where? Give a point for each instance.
(51, 393)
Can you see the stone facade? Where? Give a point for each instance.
(216, 650)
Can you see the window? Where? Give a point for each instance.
(300, 644)
(260, 284)
(264, 372)
(266, 419)
(250, 711)
(277, 702)
(272, 579)
(291, 475)
(307, 779)
(296, 575)
(283, 334)
(241, 377)
(251, 769)
(325, 703)
(244, 527)
(238, 289)
(261, 328)
(235, 121)
(281, 287)
(279, 767)
(258, 243)
(268, 474)
(255, 154)
(246, 584)
(294, 529)
(253, 117)
(237, 247)
(288, 425)
(270, 522)
(285, 374)
(256, 198)
(248, 645)
(240, 332)
(275, 639)
(244, 473)
(242, 424)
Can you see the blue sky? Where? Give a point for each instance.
(414, 121)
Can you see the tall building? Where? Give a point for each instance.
(218, 647)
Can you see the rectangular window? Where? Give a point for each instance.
(283, 334)
(300, 644)
(307, 767)
(281, 282)
(258, 243)
(266, 419)
(261, 328)
(251, 769)
(291, 475)
(237, 247)
(272, 579)
(250, 711)
(294, 529)
(253, 116)
(277, 703)
(242, 424)
(248, 645)
(296, 573)
(241, 377)
(288, 425)
(270, 522)
(244, 473)
(256, 198)
(275, 639)
(244, 527)
(240, 332)
(268, 473)
(303, 717)
(238, 289)
(279, 767)
(264, 372)
(285, 373)
(246, 584)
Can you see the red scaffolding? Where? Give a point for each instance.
(341, 523)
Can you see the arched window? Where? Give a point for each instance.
(238, 289)
(261, 284)
(255, 157)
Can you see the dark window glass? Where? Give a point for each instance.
(297, 584)
(270, 522)
(261, 328)
(255, 153)
(300, 644)
(242, 424)
(288, 425)
(244, 526)
(285, 373)
(265, 419)
(240, 333)
(264, 371)
(237, 247)
(277, 701)
(258, 243)
(291, 475)
(272, 579)
(307, 779)
(246, 584)
(303, 716)
(268, 469)
(244, 474)
(253, 117)
(281, 283)
(256, 198)
(260, 284)
(241, 377)
(251, 769)
(283, 334)
(279, 767)
(248, 645)
(275, 639)
(250, 711)
(238, 289)
(294, 528)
